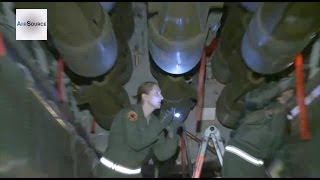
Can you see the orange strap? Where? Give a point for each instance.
(182, 154)
(303, 117)
(213, 45)
(93, 126)
(200, 91)
(2, 46)
(207, 51)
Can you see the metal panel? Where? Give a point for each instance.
(34, 140)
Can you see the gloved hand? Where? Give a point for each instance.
(166, 117)
(184, 107)
(262, 132)
(180, 131)
(181, 112)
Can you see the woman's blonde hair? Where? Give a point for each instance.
(144, 88)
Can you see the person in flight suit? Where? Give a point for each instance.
(259, 136)
(135, 132)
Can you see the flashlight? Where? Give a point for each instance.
(177, 115)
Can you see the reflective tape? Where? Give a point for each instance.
(118, 167)
(244, 155)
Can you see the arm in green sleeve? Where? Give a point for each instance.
(137, 138)
(165, 147)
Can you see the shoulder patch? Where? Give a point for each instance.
(132, 116)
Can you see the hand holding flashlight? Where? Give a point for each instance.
(173, 118)
(166, 117)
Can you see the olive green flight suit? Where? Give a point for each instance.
(300, 157)
(267, 138)
(130, 142)
(260, 135)
(261, 132)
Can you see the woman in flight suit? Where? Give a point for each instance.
(135, 132)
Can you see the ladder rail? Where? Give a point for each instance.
(214, 134)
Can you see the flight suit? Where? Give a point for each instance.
(300, 158)
(255, 142)
(260, 134)
(131, 139)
